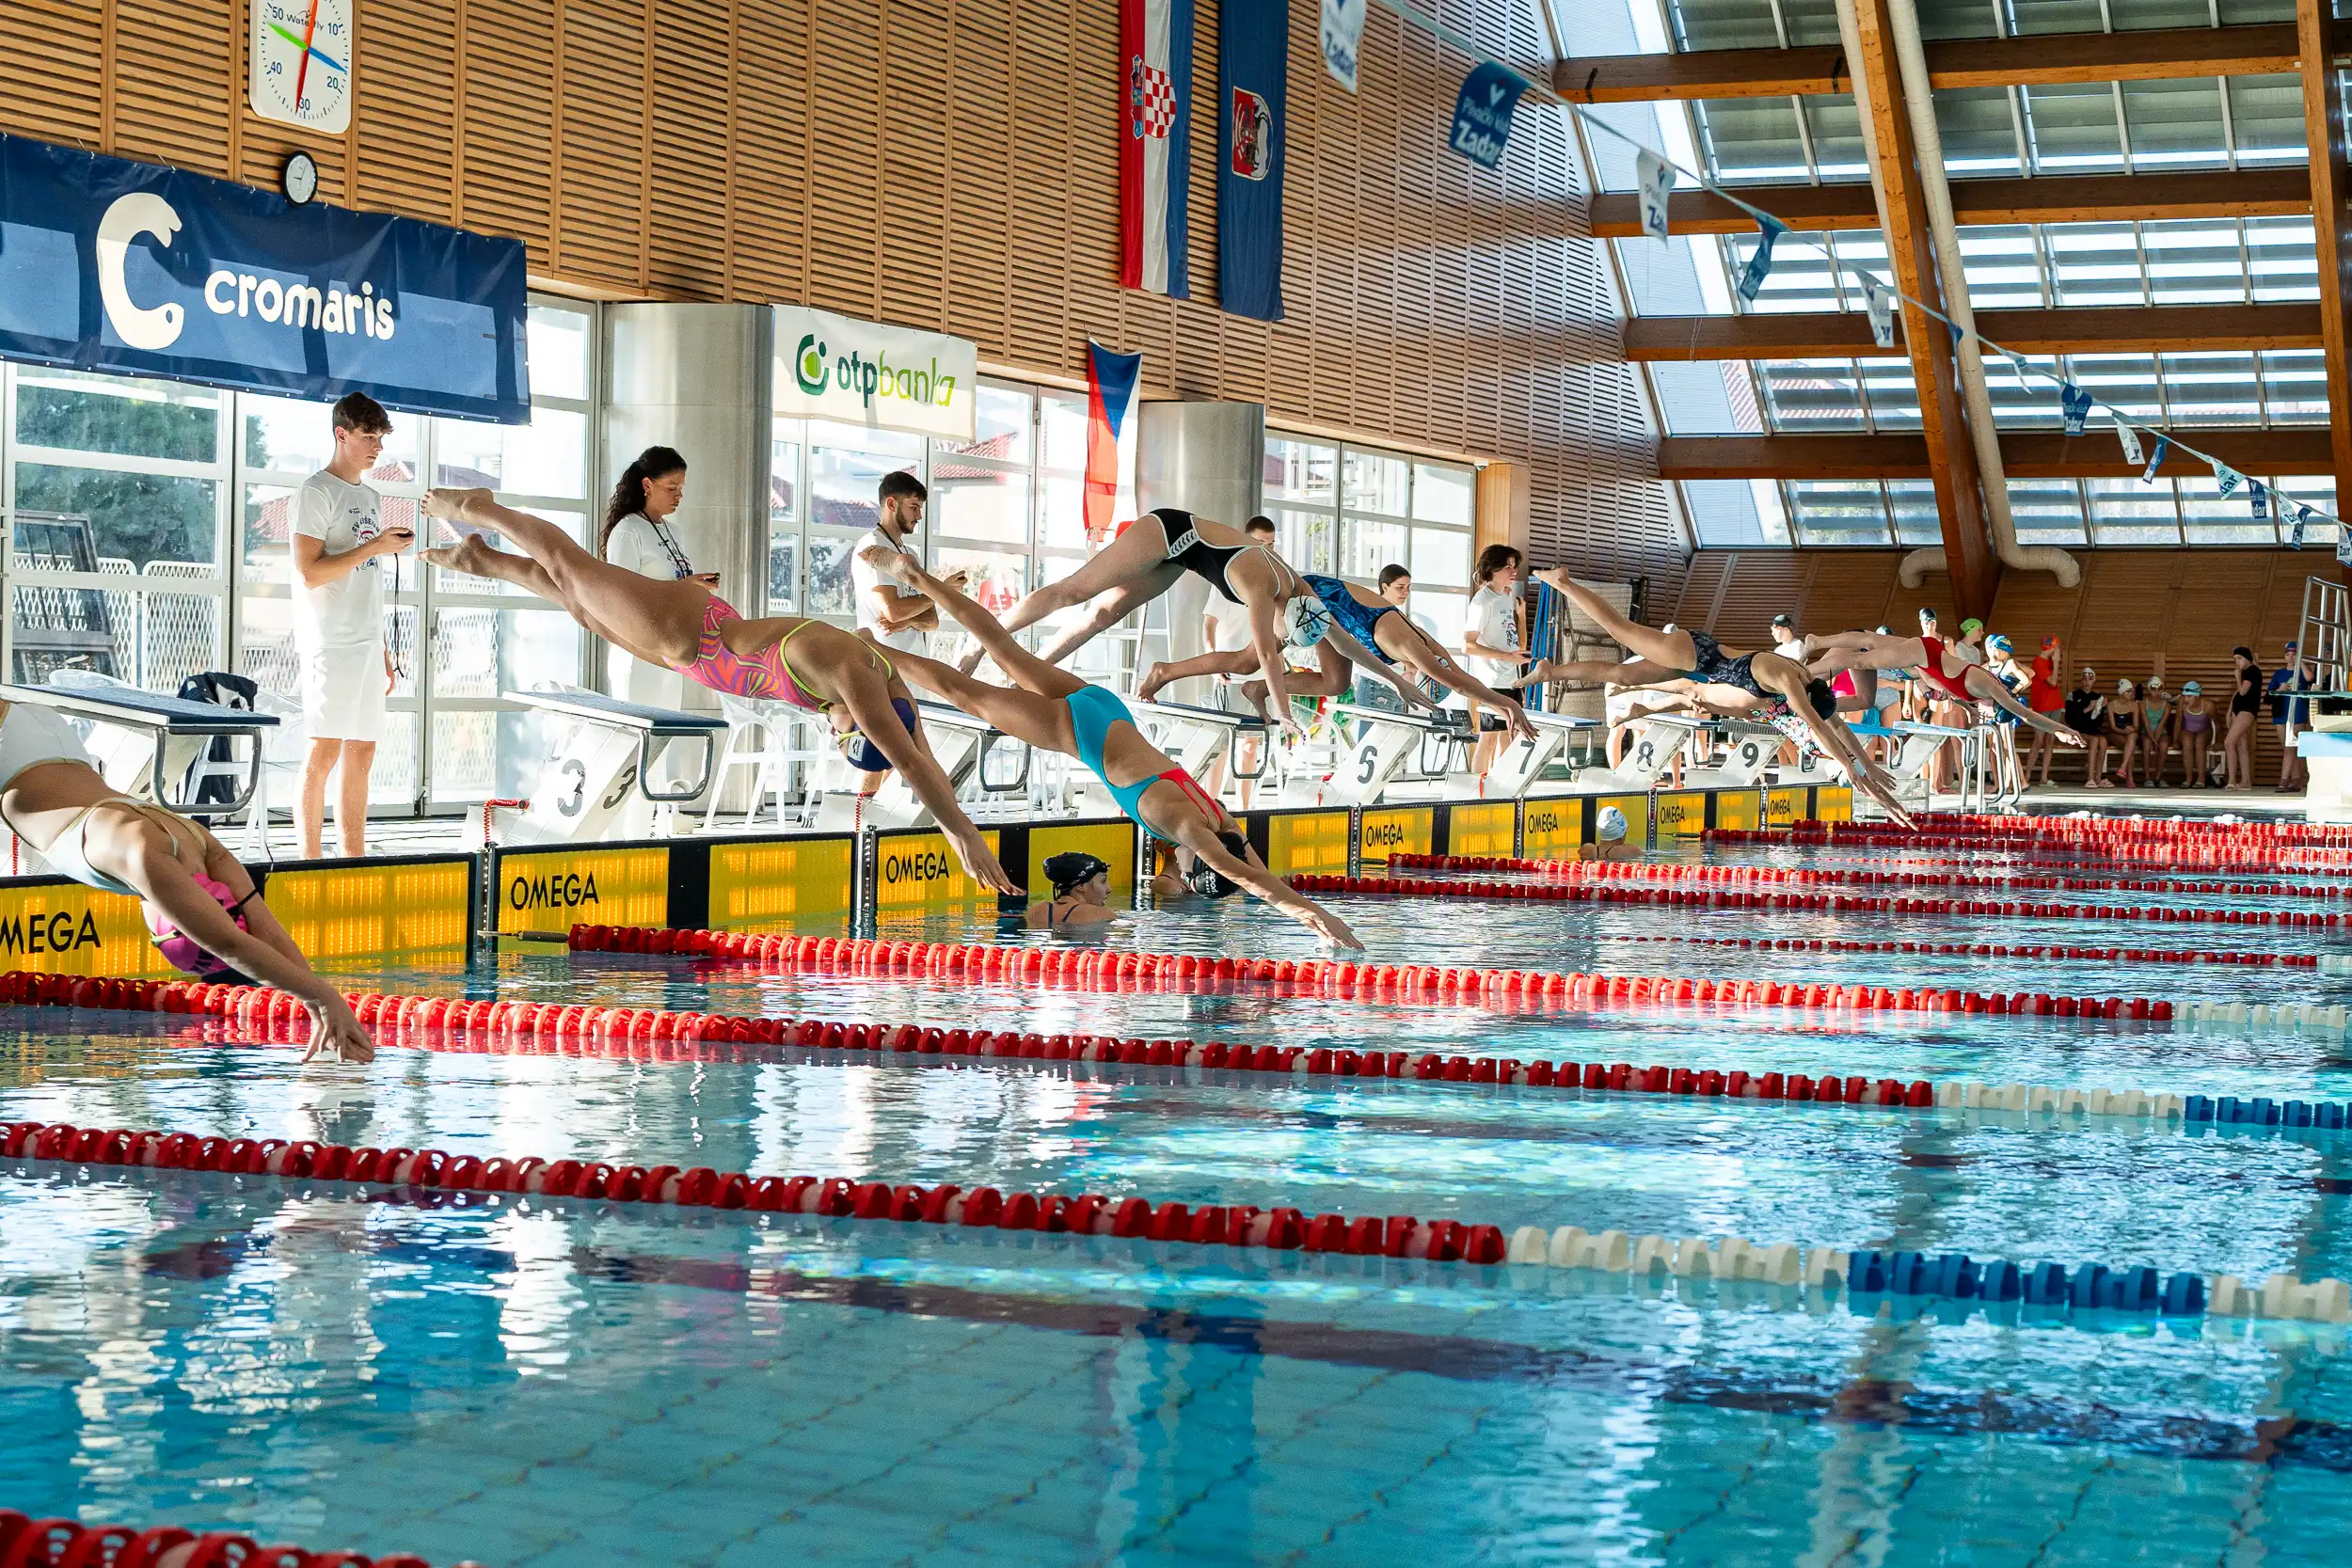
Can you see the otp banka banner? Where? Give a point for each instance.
(881, 377)
(109, 264)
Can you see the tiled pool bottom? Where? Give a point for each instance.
(561, 1385)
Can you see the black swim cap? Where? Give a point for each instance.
(1073, 868)
(1207, 879)
(1824, 700)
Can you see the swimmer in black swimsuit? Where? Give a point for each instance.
(1145, 560)
(1376, 625)
(1729, 684)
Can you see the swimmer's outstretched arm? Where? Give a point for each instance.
(1198, 835)
(1987, 686)
(1790, 679)
(143, 857)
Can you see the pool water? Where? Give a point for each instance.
(526, 1382)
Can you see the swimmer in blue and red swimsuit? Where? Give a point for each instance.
(1052, 710)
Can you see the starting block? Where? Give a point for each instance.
(1194, 737)
(1523, 762)
(1915, 746)
(962, 745)
(175, 732)
(1384, 741)
(1748, 750)
(596, 773)
(1656, 740)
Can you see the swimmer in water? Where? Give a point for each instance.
(1082, 893)
(1610, 831)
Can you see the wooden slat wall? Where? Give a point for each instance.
(2136, 612)
(953, 165)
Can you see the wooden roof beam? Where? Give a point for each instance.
(2025, 453)
(1976, 571)
(2043, 59)
(2331, 217)
(2117, 329)
(2052, 198)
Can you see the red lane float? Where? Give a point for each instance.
(1596, 891)
(26, 1542)
(649, 1034)
(1626, 871)
(1279, 1228)
(1990, 950)
(2202, 845)
(1098, 970)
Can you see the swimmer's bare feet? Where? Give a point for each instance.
(453, 505)
(889, 563)
(1552, 577)
(1256, 691)
(1154, 676)
(470, 555)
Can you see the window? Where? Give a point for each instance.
(450, 737)
(152, 522)
(1008, 507)
(1354, 511)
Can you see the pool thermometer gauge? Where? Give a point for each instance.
(300, 63)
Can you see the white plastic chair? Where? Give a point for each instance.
(772, 739)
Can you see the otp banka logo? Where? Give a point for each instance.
(143, 214)
(815, 366)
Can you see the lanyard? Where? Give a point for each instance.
(679, 563)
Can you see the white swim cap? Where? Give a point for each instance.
(1304, 620)
(1611, 825)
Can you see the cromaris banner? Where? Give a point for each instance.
(881, 377)
(113, 265)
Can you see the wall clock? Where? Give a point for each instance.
(301, 62)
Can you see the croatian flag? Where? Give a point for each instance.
(1111, 381)
(1155, 143)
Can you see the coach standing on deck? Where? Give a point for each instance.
(338, 625)
(891, 616)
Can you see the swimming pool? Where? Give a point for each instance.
(556, 1382)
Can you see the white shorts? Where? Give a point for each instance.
(343, 693)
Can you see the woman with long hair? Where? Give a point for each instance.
(1052, 710)
(201, 907)
(636, 533)
(683, 625)
(2246, 701)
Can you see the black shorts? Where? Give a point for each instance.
(1491, 724)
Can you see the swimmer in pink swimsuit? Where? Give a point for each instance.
(683, 625)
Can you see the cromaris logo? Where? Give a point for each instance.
(869, 379)
(141, 212)
(551, 893)
(1253, 135)
(152, 328)
(927, 865)
(54, 932)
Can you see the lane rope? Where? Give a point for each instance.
(29, 1542)
(2136, 1289)
(656, 1033)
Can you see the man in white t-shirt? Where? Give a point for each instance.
(1493, 640)
(893, 617)
(346, 671)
